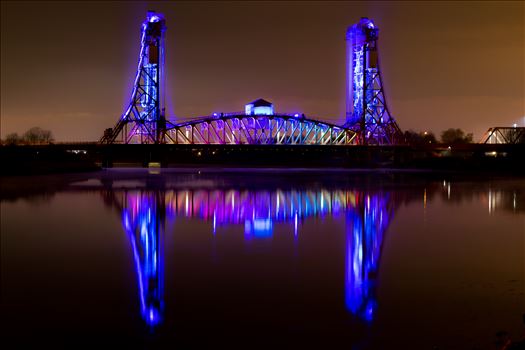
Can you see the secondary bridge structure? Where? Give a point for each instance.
(368, 121)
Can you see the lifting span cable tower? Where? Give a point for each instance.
(368, 121)
(144, 120)
(366, 110)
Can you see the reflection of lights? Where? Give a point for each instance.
(154, 19)
(367, 218)
(187, 205)
(259, 228)
(143, 226)
(295, 225)
(365, 229)
(448, 190)
(236, 206)
(425, 198)
(490, 201)
(214, 223)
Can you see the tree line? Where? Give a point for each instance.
(449, 136)
(36, 135)
(33, 136)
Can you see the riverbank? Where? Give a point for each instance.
(63, 158)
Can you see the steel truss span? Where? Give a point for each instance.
(238, 129)
(504, 135)
(368, 121)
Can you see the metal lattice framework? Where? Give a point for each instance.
(144, 121)
(238, 128)
(366, 109)
(368, 119)
(504, 135)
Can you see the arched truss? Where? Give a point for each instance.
(238, 128)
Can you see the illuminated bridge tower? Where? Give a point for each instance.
(144, 120)
(366, 109)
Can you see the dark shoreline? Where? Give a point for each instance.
(74, 158)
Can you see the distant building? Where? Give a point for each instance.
(259, 107)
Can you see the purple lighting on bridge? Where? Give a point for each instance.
(143, 121)
(366, 109)
(368, 120)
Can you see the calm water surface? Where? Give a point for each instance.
(271, 259)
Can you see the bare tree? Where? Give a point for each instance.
(37, 135)
(12, 139)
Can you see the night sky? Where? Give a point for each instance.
(69, 66)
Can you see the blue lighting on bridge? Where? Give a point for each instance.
(367, 118)
(366, 109)
(259, 107)
(144, 121)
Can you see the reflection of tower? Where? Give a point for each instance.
(143, 218)
(366, 225)
(366, 109)
(144, 120)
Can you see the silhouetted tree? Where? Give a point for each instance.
(455, 136)
(38, 135)
(12, 139)
(419, 138)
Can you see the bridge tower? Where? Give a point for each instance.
(366, 108)
(144, 120)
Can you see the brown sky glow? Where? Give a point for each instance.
(69, 66)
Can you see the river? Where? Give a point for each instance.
(262, 258)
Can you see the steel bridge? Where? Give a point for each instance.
(239, 128)
(504, 135)
(368, 120)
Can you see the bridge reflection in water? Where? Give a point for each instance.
(367, 215)
(143, 218)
